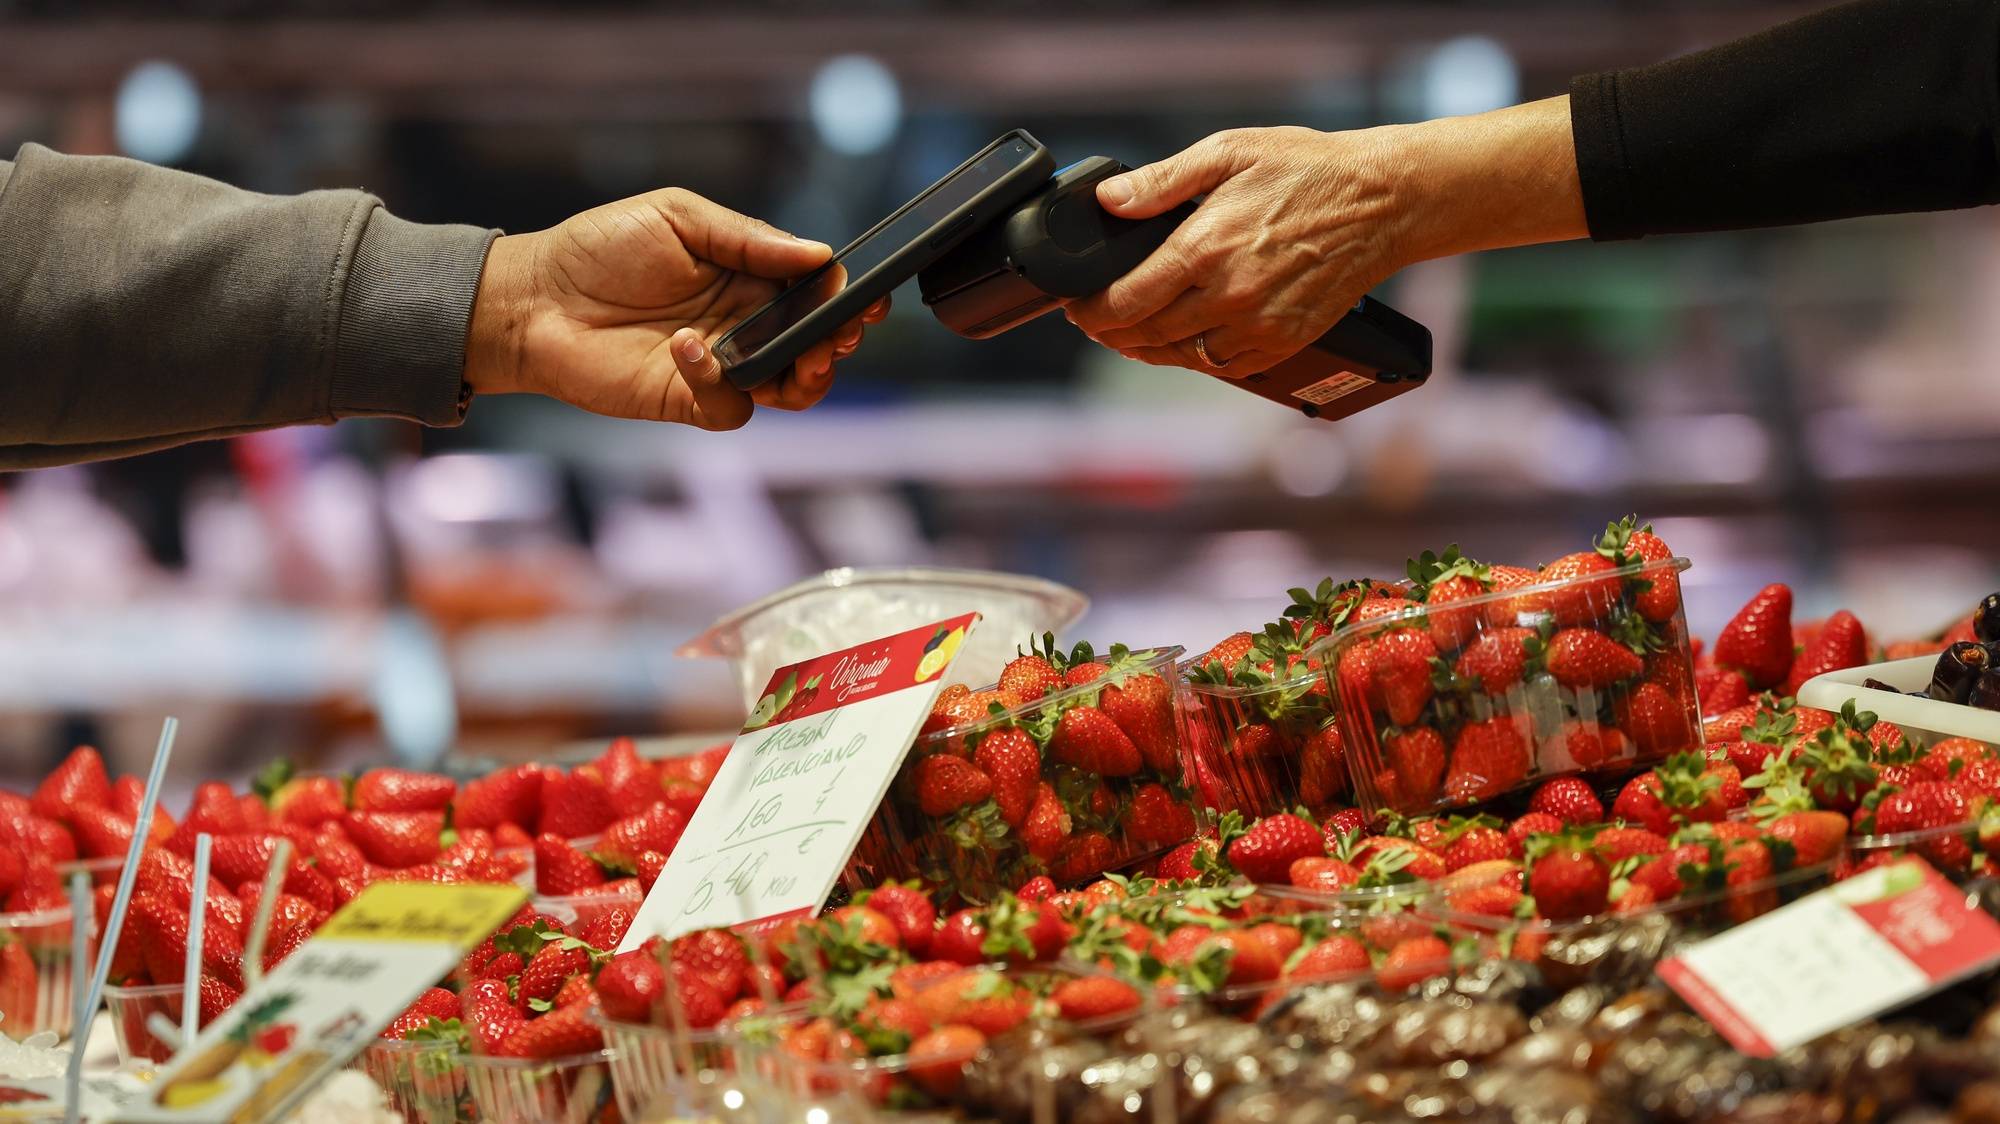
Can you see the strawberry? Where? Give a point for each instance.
(1569, 799)
(561, 870)
(909, 910)
(945, 783)
(1749, 865)
(1142, 706)
(1322, 766)
(1323, 874)
(280, 945)
(1476, 842)
(1336, 957)
(1417, 757)
(1417, 861)
(981, 998)
(1587, 595)
(1583, 658)
(718, 958)
(1087, 853)
(1816, 837)
(1196, 949)
(1839, 645)
(1920, 806)
(1031, 674)
(1402, 674)
(1949, 757)
(1499, 658)
(937, 1060)
(1505, 612)
(1411, 962)
(80, 781)
(1039, 888)
(402, 790)
(1014, 763)
(1617, 844)
(1157, 818)
(1047, 825)
(564, 1033)
(397, 839)
(1224, 657)
(102, 833)
(292, 799)
(159, 929)
(604, 931)
(1720, 690)
(1184, 863)
(632, 783)
(1090, 998)
(1488, 758)
(1568, 879)
(548, 969)
(1681, 788)
(631, 987)
(656, 829)
(1656, 721)
(1087, 738)
(1757, 641)
(1089, 671)
(1530, 825)
(510, 796)
(1439, 580)
(1497, 899)
(1266, 851)
(651, 864)
(573, 805)
(1656, 592)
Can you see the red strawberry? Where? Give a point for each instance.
(1089, 998)
(1087, 738)
(1047, 825)
(1532, 824)
(1336, 957)
(1657, 592)
(1266, 851)
(1498, 899)
(980, 998)
(1922, 805)
(1840, 644)
(656, 829)
(159, 929)
(1816, 837)
(1758, 640)
(1569, 799)
(565, 1033)
(1720, 689)
(1581, 658)
(718, 958)
(1476, 842)
(1417, 757)
(651, 863)
(1681, 788)
(937, 1060)
(1158, 818)
(945, 783)
(1499, 658)
(292, 799)
(1588, 594)
(632, 783)
(78, 782)
(1950, 757)
(1087, 854)
(549, 969)
(1617, 844)
(1087, 672)
(1013, 761)
(574, 805)
(561, 870)
(1402, 674)
(908, 909)
(510, 796)
(1143, 707)
(1030, 676)
(1488, 759)
(1179, 864)
(1506, 612)
(1249, 960)
(1656, 721)
(631, 986)
(1442, 580)
(402, 790)
(1326, 875)
(1226, 655)
(397, 839)
(1411, 962)
(1322, 766)
(1569, 880)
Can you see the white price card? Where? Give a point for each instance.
(800, 784)
(1844, 954)
(325, 1003)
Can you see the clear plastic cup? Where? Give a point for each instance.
(1263, 748)
(426, 1081)
(131, 1010)
(540, 1091)
(35, 992)
(844, 607)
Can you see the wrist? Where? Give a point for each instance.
(500, 314)
(1488, 181)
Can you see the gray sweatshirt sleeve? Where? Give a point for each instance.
(142, 307)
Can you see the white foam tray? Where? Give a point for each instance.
(1924, 719)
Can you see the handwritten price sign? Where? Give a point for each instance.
(800, 784)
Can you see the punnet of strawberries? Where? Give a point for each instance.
(1069, 766)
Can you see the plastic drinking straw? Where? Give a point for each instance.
(141, 830)
(204, 846)
(260, 929)
(79, 988)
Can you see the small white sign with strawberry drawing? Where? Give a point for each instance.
(792, 799)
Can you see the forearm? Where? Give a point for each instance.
(1485, 182)
(146, 307)
(1876, 107)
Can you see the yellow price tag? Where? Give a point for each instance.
(460, 915)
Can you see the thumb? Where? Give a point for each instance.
(714, 402)
(1160, 187)
(736, 241)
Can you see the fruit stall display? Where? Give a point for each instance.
(1095, 893)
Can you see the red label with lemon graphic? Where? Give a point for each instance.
(840, 679)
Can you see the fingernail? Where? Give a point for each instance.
(1116, 191)
(691, 350)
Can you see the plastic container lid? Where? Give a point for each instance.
(1913, 713)
(844, 607)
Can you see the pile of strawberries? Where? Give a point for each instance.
(1069, 766)
(1480, 678)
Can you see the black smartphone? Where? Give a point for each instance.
(771, 339)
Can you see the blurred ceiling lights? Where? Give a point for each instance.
(856, 105)
(158, 114)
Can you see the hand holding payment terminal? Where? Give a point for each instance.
(1059, 244)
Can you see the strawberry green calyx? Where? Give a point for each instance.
(1616, 542)
(1430, 569)
(1684, 781)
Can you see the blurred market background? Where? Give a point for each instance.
(1815, 405)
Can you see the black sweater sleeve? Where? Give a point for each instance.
(1874, 107)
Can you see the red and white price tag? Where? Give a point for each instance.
(1844, 954)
